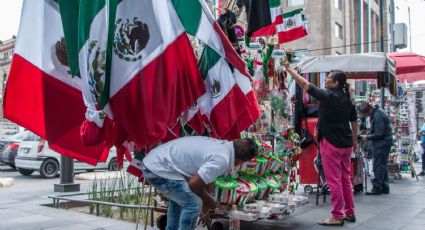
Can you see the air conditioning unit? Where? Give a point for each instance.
(400, 35)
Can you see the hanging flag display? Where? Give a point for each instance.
(41, 95)
(224, 101)
(293, 27)
(154, 72)
(130, 61)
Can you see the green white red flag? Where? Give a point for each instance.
(293, 26)
(220, 65)
(154, 73)
(40, 93)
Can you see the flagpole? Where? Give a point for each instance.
(140, 203)
(147, 208)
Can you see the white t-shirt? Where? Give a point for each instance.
(182, 158)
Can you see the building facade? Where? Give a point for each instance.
(6, 54)
(341, 26)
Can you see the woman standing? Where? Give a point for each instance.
(336, 112)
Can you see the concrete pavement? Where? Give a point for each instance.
(20, 208)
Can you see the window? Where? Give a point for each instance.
(301, 53)
(292, 3)
(338, 4)
(4, 80)
(338, 30)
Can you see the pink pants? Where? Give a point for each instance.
(337, 167)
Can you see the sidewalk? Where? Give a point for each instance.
(403, 208)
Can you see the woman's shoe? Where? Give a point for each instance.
(332, 222)
(350, 218)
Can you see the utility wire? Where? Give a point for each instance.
(349, 45)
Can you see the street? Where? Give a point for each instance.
(21, 208)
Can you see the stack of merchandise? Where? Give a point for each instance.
(265, 185)
(403, 119)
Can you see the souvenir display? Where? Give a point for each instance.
(225, 190)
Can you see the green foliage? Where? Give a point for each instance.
(125, 189)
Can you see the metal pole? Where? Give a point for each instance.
(381, 24)
(410, 30)
(66, 176)
(67, 170)
(392, 25)
(369, 30)
(361, 27)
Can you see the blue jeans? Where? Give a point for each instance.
(380, 168)
(423, 156)
(184, 206)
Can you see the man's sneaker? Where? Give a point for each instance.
(350, 218)
(421, 173)
(374, 192)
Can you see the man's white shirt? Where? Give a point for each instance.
(182, 158)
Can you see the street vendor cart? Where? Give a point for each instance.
(376, 66)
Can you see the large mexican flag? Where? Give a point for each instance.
(154, 72)
(40, 93)
(94, 54)
(137, 66)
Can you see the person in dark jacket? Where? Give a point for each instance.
(381, 139)
(337, 128)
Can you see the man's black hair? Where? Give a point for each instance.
(252, 146)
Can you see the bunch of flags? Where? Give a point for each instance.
(127, 71)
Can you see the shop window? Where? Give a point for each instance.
(4, 81)
(338, 4)
(292, 3)
(338, 31)
(301, 53)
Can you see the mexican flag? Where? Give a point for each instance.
(218, 4)
(154, 73)
(135, 167)
(94, 55)
(224, 101)
(293, 26)
(41, 94)
(263, 16)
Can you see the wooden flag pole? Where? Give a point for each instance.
(140, 203)
(147, 208)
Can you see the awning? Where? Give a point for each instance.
(410, 67)
(357, 66)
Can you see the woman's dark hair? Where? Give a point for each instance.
(341, 77)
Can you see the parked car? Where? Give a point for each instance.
(8, 129)
(34, 154)
(9, 148)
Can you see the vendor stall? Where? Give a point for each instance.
(314, 68)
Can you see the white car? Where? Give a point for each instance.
(34, 154)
